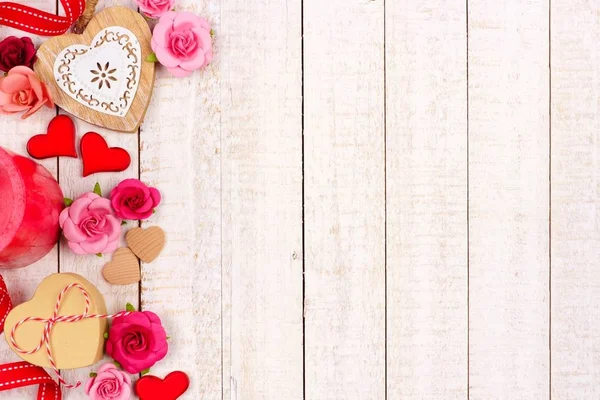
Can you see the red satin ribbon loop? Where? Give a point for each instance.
(39, 22)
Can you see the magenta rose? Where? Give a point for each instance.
(15, 52)
(90, 225)
(182, 43)
(137, 341)
(132, 199)
(109, 384)
(155, 8)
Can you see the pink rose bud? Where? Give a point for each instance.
(137, 341)
(22, 91)
(90, 225)
(109, 384)
(182, 43)
(155, 8)
(132, 199)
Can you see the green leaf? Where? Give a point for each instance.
(129, 307)
(99, 255)
(68, 201)
(154, 211)
(144, 372)
(212, 33)
(93, 374)
(117, 364)
(168, 337)
(105, 335)
(152, 58)
(97, 189)
(123, 223)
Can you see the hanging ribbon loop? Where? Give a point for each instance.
(39, 22)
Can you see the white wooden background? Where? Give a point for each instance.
(357, 200)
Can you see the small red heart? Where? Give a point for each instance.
(152, 388)
(98, 157)
(59, 141)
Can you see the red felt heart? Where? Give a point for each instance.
(59, 141)
(152, 388)
(98, 157)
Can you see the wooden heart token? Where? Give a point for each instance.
(58, 141)
(124, 268)
(150, 387)
(146, 243)
(102, 76)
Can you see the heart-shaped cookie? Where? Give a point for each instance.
(98, 157)
(59, 141)
(102, 76)
(146, 243)
(150, 387)
(123, 269)
(74, 345)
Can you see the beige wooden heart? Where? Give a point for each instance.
(102, 76)
(74, 345)
(124, 268)
(146, 243)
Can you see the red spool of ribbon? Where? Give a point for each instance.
(21, 374)
(39, 22)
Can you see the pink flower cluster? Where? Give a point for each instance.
(92, 224)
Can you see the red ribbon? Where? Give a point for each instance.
(21, 374)
(39, 22)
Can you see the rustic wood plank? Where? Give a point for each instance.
(344, 199)
(262, 199)
(180, 146)
(426, 88)
(14, 135)
(575, 202)
(90, 267)
(509, 199)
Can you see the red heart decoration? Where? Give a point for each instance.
(152, 388)
(98, 157)
(59, 141)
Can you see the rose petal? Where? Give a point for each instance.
(76, 248)
(13, 108)
(113, 228)
(111, 247)
(95, 247)
(106, 367)
(156, 197)
(165, 57)
(195, 63)
(73, 233)
(186, 20)
(63, 216)
(36, 85)
(14, 83)
(33, 109)
(179, 72)
(161, 33)
(100, 204)
(78, 210)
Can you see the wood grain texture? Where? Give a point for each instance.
(180, 149)
(575, 156)
(90, 267)
(509, 199)
(344, 199)
(14, 134)
(426, 88)
(112, 16)
(261, 64)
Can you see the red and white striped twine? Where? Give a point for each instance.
(49, 324)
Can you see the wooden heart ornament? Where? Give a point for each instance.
(146, 243)
(75, 344)
(174, 385)
(102, 76)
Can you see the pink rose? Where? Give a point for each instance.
(22, 90)
(155, 8)
(137, 341)
(109, 384)
(182, 43)
(90, 225)
(132, 199)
